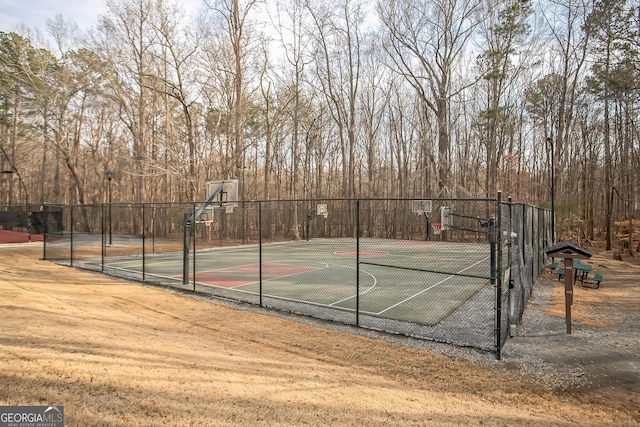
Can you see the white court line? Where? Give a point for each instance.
(375, 282)
(324, 266)
(430, 287)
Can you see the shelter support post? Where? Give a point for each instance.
(568, 291)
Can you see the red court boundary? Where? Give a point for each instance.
(245, 274)
(8, 236)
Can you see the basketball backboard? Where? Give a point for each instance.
(322, 209)
(421, 206)
(446, 219)
(227, 192)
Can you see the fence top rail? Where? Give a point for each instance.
(41, 207)
(328, 199)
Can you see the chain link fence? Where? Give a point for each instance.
(374, 263)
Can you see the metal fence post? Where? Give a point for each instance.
(193, 235)
(103, 242)
(71, 237)
(44, 232)
(357, 262)
(496, 270)
(260, 250)
(29, 229)
(143, 244)
(185, 248)
(510, 262)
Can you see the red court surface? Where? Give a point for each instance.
(245, 274)
(8, 236)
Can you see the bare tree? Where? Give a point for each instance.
(176, 79)
(292, 20)
(338, 36)
(234, 15)
(373, 99)
(426, 39)
(124, 40)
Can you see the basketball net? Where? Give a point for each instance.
(437, 228)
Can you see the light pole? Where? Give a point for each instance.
(109, 175)
(553, 191)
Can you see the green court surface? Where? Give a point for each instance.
(413, 281)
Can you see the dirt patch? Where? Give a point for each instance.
(118, 353)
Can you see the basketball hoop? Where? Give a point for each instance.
(437, 227)
(205, 217)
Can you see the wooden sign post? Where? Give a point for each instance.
(569, 252)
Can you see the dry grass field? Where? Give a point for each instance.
(123, 354)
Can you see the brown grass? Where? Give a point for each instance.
(116, 353)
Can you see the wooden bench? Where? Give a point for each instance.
(595, 283)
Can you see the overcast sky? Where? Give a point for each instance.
(34, 13)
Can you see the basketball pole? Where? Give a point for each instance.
(426, 220)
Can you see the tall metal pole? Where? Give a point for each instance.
(495, 256)
(110, 222)
(44, 231)
(185, 248)
(553, 191)
(357, 262)
(109, 176)
(143, 243)
(260, 266)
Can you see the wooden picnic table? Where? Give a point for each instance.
(580, 270)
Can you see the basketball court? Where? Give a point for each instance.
(425, 268)
(411, 281)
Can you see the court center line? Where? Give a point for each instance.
(430, 287)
